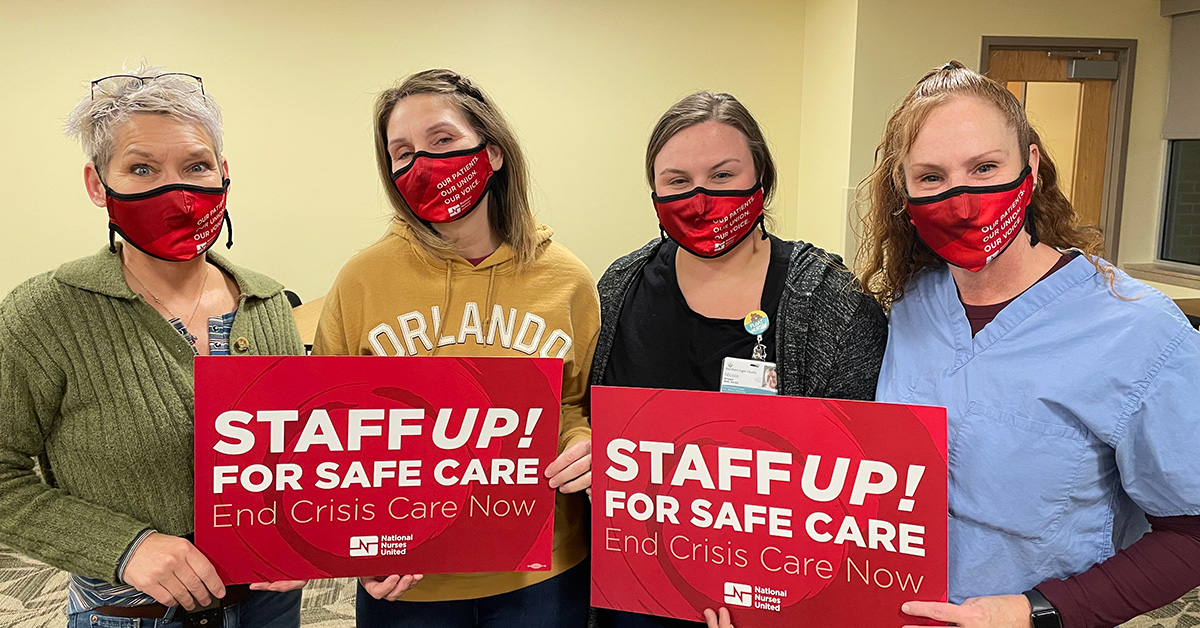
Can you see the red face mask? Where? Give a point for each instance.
(175, 223)
(968, 226)
(444, 187)
(710, 223)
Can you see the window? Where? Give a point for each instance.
(1181, 224)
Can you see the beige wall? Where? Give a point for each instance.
(583, 83)
(825, 121)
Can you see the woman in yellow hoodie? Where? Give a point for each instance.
(465, 270)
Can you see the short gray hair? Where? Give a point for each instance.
(95, 119)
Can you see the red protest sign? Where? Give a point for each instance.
(787, 511)
(320, 467)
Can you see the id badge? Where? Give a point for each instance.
(749, 376)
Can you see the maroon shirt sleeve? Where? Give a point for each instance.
(1154, 571)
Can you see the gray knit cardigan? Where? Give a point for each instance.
(830, 336)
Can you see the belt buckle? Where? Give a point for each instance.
(211, 616)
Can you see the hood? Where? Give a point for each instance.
(501, 261)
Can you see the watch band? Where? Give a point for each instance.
(1043, 613)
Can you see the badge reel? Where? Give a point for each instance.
(755, 376)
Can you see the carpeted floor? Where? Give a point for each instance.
(33, 595)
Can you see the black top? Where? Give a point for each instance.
(661, 343)
(829, 335)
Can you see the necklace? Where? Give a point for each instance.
(200, 297)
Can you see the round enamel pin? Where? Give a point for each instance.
(756, 322)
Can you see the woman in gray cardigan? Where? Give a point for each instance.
(720, 288)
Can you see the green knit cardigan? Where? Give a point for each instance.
(96, 387)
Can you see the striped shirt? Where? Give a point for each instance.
(85, 594)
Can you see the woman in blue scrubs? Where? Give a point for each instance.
(1071, 389)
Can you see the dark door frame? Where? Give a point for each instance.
(1118, 119)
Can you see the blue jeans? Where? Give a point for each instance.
(622, 619)
(262, 609)
(560, 602)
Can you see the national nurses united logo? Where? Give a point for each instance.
(749, 596)
(739, 594)
(364, 546)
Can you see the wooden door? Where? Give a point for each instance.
(1019, 69)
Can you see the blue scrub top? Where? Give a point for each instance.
(1070, 415)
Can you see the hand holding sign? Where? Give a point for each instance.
(391, 587)
(717, 619)
(572, 470)
(173, 572)
(279, 586)
(992, 611)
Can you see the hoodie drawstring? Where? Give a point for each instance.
(488, 301)
(437, 336)
(442, 315)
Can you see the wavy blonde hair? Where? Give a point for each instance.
(509, 209)
(892, 254)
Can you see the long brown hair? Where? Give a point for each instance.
(892, 253)
(509, 210)
(705, 106)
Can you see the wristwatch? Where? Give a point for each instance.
(1043, 613)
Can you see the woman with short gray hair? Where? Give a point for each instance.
(96, 368)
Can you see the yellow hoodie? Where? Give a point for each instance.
(394, 298)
